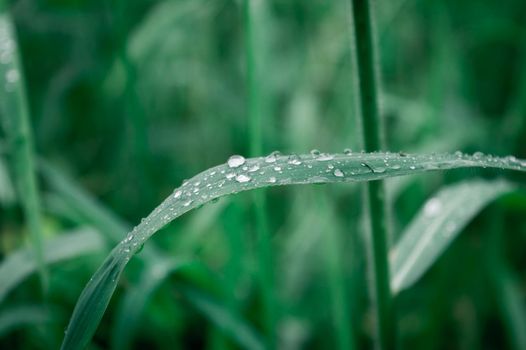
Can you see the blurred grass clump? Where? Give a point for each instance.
(126, 100)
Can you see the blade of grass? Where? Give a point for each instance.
(505, 285)
(14, 111)
(20, 264)
(240, 175)
(337, 282)
(21, 315)
(373, 139)
(254, 15)
(437, 224)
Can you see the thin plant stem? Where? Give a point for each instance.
(16, 121)
(373, 140)
(256, 106)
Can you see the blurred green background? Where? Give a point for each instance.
(129, 98)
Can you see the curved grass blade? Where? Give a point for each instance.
(21, 315)
(239, 175)
(7, 190)
(440, 220)
(18, 265)
(14, 111)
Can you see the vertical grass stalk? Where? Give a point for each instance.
(373, 140)
(14, 111)
(253, 13)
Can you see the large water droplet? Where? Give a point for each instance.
(294, 160)
(338, 173)
(236, 161)
(324, 157)
(347, 151)
(241, 178)
(178, 193)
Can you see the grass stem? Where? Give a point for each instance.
(372, 128)
(14, 111)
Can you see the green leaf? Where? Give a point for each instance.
(239, 175)
(17, 316)
(14, 114)
(20, 264)
(439, 221)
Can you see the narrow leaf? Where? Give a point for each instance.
(440, 220)
(239, 175)
(18, 265)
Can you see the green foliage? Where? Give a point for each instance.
(121, 101)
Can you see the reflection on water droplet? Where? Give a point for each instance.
(236, 161)
(379, 170)
(230, 176)
(177, 194)
(347, 151)
(242, 178)
(277, 168)
(187, 203)
(253, 168)
(412, 167)
(272, 179)
(338, 173)
(315, 153)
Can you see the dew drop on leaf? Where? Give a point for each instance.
(338, 173)
(236, 161)
(243, 178)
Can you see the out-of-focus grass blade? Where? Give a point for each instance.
(240, 174)
(18, 265)
(436, 225)
(7, 191)
(18, 316)
(83, 203)
(511, 306)
(136, 299)
(14, 111)
(225, 320)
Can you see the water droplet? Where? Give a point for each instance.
(230, 176)
(347, 151)
(433, 207)
(253, 168)
(294, 160)
(412, 167)
(338, 173)
(236, 161)
(271, 158)
(177, 194)
(277, 168)
(324, 157)
(396, 167)
(242, 178)
(315, 153)
(187, 203)
(379, 170)
(272, 179)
